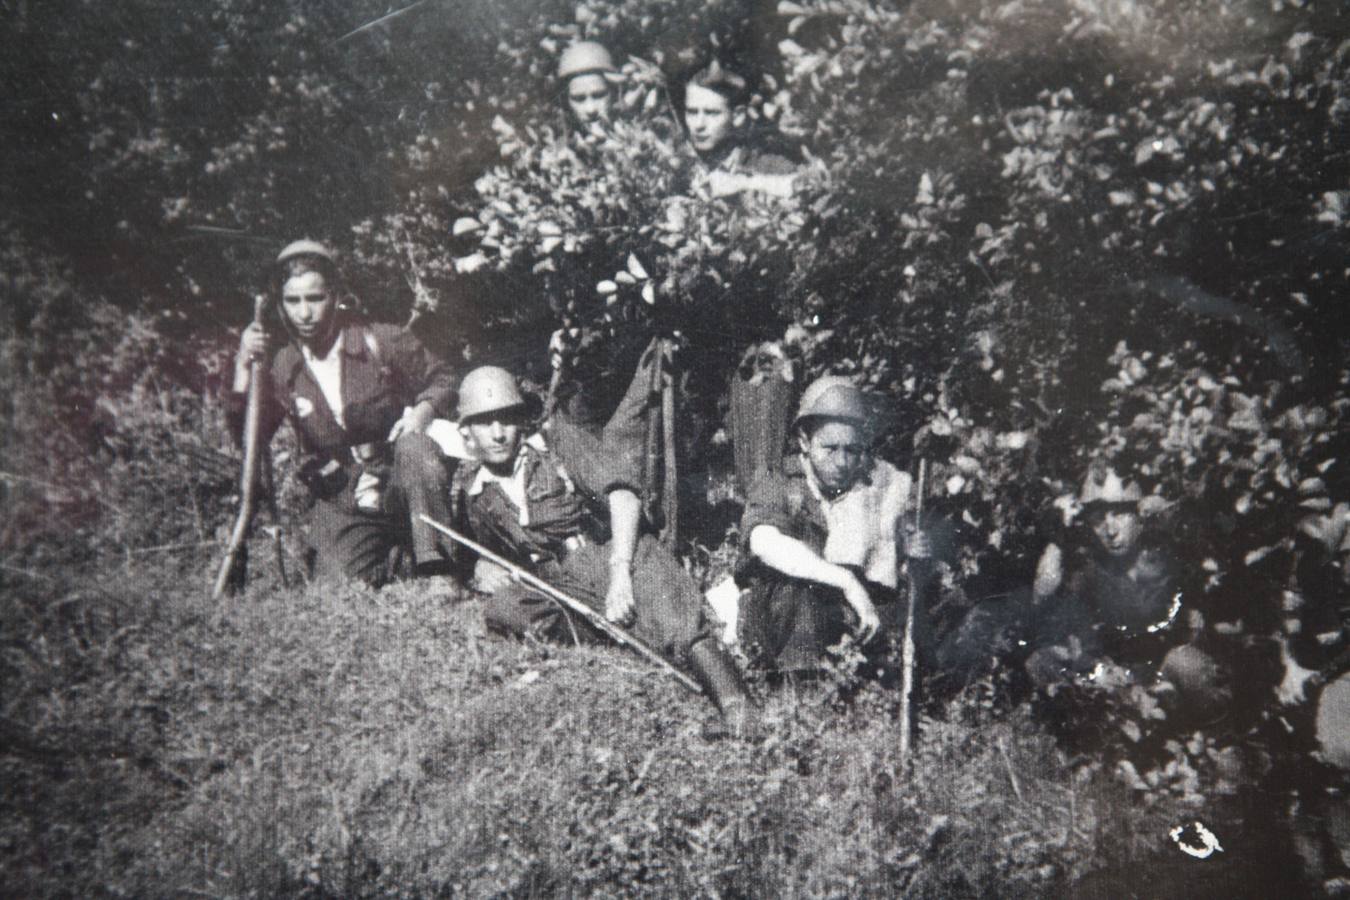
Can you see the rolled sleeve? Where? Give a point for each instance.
(766, 503)
(598, 466)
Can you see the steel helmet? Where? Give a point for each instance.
(834, 397)
(305, 247)
(583, 57)
(488, 389)
(1106, 486)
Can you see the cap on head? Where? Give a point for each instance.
(583, 57)
(833, 397)
(305, 247)
(1106, 487)
(488, 389)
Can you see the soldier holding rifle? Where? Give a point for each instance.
(359, 397)
(565, 505)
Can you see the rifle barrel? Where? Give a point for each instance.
(618, 634)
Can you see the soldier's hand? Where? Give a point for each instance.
(620, 606)
(252, 344)
(1293, 688)
(414, 420)
(918, 545)
(868, 621)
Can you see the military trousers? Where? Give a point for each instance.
(787, 624)
(669, 608)
(372, 545)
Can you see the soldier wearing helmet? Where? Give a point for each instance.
(359, 397)
(821, 536)
(565, 504)
(1114, 613)
(585, 69)
(715, 121)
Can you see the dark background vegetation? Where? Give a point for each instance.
(1044, 231)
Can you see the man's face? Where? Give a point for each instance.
(707, 115)
(835, 449)
(1117, 529)
(308, 306)
(495, 437)
(588, 98)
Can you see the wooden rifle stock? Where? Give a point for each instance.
(614, 632)
(234, 567)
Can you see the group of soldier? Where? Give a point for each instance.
(831, 546)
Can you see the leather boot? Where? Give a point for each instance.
(716, 671)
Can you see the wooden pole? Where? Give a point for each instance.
(907, 651)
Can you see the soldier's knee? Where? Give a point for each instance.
(416, 454)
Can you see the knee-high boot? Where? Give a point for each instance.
(716, 671)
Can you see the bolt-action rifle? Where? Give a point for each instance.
(614, 632)
(234, 567)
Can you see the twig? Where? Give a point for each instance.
(382, 19)
(37, 576)
(164, 548)
(1007, 764)
(907, 649)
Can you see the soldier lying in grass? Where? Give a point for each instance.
(564, 504)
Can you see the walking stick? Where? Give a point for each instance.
(234, 567)
(619, 635)
(907, 646)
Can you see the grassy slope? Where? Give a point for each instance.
(357, 743)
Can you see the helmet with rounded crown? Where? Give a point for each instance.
(583, 57)
(488, 389)
(832, 397)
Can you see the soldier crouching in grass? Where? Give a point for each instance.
(822, 536)
(1115, 618)
(564, 504)
(359, 397)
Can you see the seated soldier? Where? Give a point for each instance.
(714, 116)
(821, 535)
(538, 498)
(360, 398)
(1116, 618)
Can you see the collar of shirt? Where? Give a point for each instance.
(327, 371)
(863, 478)
(513, 485)
(861, 521)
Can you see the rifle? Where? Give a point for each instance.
(234, 567)
(907, 646)
(614, 632)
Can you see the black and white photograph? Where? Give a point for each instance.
(675, 448)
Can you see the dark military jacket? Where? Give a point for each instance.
(384, 369)
(567, 472)
(1129, 620)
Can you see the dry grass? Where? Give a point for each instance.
(359, 743)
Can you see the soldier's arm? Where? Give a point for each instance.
(793, 558)
(625, 511)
